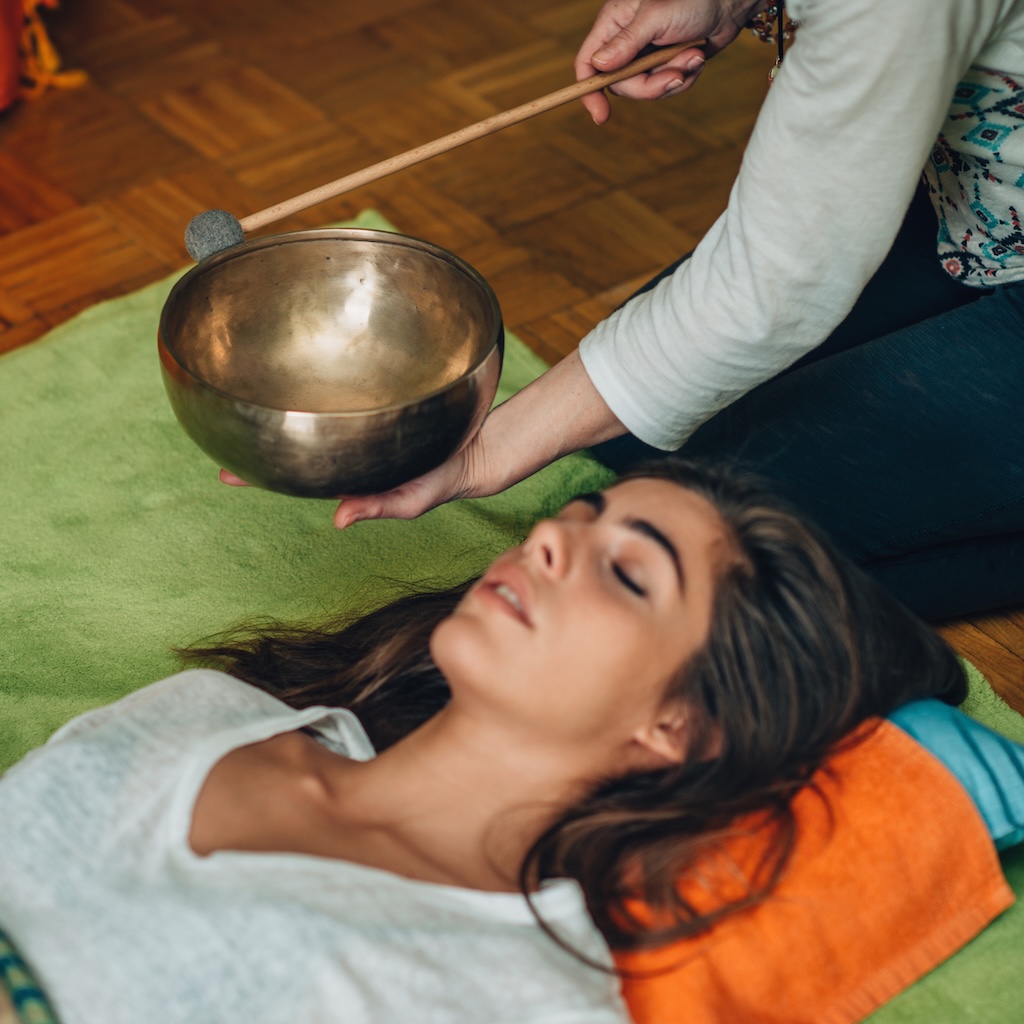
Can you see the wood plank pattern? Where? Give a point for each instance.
(237, 104)
(226, 114)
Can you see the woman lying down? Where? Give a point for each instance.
(444, 811)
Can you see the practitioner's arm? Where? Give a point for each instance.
(558, 413)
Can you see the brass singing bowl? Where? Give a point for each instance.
(331, 362)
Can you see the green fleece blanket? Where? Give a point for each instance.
(118, 543)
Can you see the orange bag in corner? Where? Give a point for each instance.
(898, 877)
(40, 64)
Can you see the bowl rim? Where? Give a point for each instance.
(311, 234)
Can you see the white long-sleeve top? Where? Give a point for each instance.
(122, 922)
(861, 101)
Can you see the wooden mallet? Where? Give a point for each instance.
(210, 232)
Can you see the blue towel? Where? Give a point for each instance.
(989, 766)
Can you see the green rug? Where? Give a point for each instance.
(118, 543)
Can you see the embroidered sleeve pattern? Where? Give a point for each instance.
(975, 176)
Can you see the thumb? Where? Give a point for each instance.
(352, 510)
(405, 502)
(619, 50)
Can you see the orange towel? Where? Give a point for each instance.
(900, 876)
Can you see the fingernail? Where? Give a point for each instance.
(601, 57)
(694, 63)
(673, 85)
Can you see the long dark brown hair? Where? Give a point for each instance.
(803, 648)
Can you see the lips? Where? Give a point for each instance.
(508, 585)
(505, 591)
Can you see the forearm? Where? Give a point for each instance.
(559, 413)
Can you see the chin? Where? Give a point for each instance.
(463, 651)
(455, 640)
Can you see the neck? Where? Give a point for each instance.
(454, 802)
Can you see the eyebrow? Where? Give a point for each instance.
(597, 502)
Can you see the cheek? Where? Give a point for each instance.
(605, 676)
(609, 640)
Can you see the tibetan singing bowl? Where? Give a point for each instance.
(331, 362)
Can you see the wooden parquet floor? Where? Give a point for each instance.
(237, 104)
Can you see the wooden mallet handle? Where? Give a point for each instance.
(487, 126)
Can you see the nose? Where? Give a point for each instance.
(548, 548)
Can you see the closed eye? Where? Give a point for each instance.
(627, 581)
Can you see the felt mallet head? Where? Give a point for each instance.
(210, 232)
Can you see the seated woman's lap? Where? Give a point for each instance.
(908, 447)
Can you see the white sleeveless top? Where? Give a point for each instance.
(121, 921)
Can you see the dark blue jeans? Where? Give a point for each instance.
(902, 434)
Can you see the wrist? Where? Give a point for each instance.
(559, 413)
